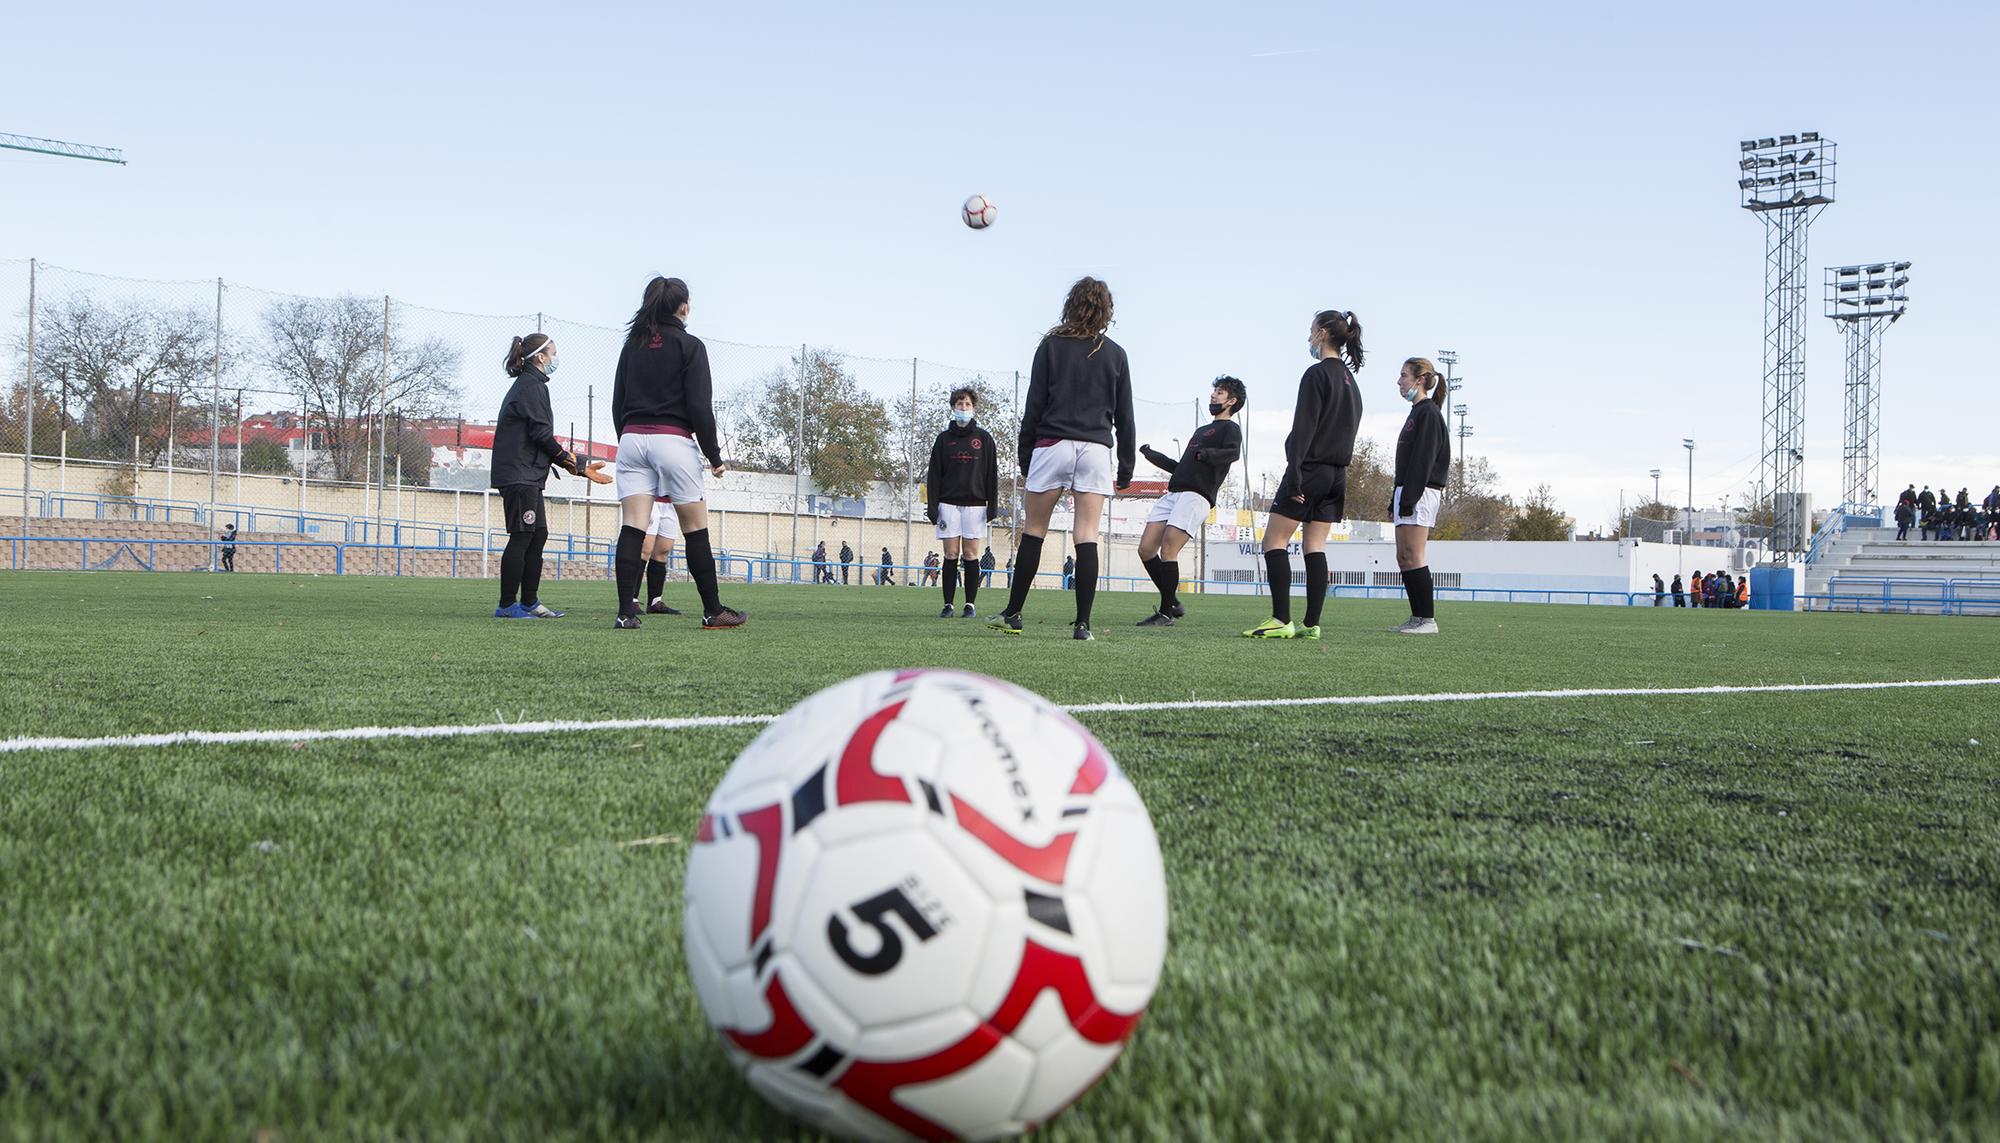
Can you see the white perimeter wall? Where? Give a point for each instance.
(1553, 565)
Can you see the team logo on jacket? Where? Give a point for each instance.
(528, 517)
(976, 443)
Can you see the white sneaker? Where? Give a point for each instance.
(1405, 625)
(1419, 627)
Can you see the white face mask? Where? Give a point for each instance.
(961, 416)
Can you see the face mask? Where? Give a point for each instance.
(549, 370)
(1413, 395)
(1215, 408)
(961, 416)
(1312, 350)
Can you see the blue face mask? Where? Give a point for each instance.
(1413, 396)
(961, 416)
(549, 370)
(1312, 350)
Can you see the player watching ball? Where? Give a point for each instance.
(524, 449)
(663, 409)
(964, 490)
(1197, 476)
(1079, 400)
(1313, 492)
(1423, 464)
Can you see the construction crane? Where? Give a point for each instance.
(62, 149)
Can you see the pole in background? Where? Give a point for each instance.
(239, 448)
(382, 444)
(910, 477)
(1687, 536)
(215, 420)
(799, 456)
(590, 440)
(1014, 477)
(28, 424)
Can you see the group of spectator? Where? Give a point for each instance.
(885, 575)
(1716, 589)
(1940, 516)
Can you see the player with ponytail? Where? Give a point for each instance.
(1423, 463)
(524, 449)
(1313, 492)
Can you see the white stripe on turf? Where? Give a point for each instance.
(364, 733)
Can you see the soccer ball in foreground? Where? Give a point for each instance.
(924, 903)
(979, 212)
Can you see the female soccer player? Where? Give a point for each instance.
(1198, 475)
(964, 490)
(524, 448)
(662, 406)
(1079, 401)
(658, 549)
(1313, 492)
(1423, 463)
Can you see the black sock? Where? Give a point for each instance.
(971, 581)
(631, 541)
(950, 581)
(656, 579)
(1423, 602)
(1086, 581)
(1170, 582)
(1315, 586)
(531, 568)
(1027, 559)
(701, 566)
(511, 559)
(1278, 569)
(1154, 566)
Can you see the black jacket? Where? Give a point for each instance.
(1080, 390)
(1204, 464)
(846, 554)
(1423, 453)
(664, 381)
(1325, 420)
(964, 470)
(524, 439)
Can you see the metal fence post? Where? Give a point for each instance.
(28, 424)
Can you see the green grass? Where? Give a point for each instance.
(1688, 916)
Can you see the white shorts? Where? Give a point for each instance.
(1184, 510)
(660, 464)
(961, 521)
(666, 521)
(1079, 466)
(1426, 515)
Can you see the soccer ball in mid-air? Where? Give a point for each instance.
(979, 212)
(924, 903)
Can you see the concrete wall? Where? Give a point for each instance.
(1557, 565)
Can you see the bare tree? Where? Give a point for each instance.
(845, 436)
(329, 351)
(121, 370)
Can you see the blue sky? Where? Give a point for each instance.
(1546, 188)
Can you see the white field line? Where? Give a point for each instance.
(561, 726)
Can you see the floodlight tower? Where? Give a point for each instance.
(1866, 301)
(1785, 181)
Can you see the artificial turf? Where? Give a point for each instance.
(1768, 915)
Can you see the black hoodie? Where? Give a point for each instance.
(1325, 421)
(1204, 464)
(524, 439)
(964, 469)
(1080, 390)
(664, 380)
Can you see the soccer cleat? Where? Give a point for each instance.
(1307, 632)
(1174, 610)
(626, 623)
(512, 611)
(1419, 627)
(1005, 624)
(970, 613)
(1081, 632)
(543, 611)
(1405, 625)
(722, 620)
(1156, 619)
(659, 607)
(949, 612)
(1271, 629)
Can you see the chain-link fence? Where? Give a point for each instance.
(160, 411)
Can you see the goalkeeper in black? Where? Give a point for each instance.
(1190, 497)
(962, 490)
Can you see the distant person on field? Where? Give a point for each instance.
(846, 562)
(1659, 590)
(657, 550)
(986, 566)
(886, 577)
(1680, 593)
(1423, 464)
(1743, 592)
(1069, 572)
(962, 484)
(229, 547)
(821, 572)
(524, 449)
(1180, 515)
(1695, 586)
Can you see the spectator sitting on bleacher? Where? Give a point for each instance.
(1992, 506)
(1964, 518)
(1926, 514)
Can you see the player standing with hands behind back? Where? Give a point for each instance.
(1079, 402)
(524, 449)
(1423, 464)
(663, 407)
(964, 488)
(1314, 489)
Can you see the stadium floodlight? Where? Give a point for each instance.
(1866, 302)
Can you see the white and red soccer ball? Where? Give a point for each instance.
(925, 904)
(979, 212)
